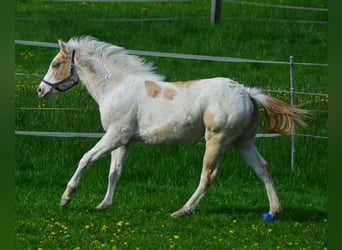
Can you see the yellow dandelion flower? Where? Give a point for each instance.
(176, 237)
(120, 223)
(104, 227)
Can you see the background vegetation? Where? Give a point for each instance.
(158, 180)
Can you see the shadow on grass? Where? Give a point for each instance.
(288, 214)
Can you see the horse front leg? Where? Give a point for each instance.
(116, 166)
(106, 144)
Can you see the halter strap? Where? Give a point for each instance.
(70, 77)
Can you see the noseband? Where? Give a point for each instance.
(69, 78)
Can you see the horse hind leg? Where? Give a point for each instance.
(254, 159)
(213, 152)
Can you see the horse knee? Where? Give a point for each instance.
(213, 175)
(265, 173)
(114, 176)
(208, 177)
(85, 161)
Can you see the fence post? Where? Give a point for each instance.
(292, 102)
(215, 14)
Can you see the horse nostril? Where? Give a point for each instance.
(40, 91)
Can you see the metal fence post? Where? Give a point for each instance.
(215, 14)
(292, 102)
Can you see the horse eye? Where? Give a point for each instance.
(56, 65)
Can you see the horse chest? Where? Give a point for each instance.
(116, 116)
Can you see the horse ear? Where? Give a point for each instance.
(62, 45)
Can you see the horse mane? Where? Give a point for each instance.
(112, 57)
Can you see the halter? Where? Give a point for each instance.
(70, 77)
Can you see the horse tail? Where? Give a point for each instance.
(282, 117)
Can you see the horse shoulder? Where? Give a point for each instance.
(118, 111)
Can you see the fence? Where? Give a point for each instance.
(215, 14)
(291, 90)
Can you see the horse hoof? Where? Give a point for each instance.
(176, 215)
(103, 206)
(179, 213)
(64, 202)
(268, 217)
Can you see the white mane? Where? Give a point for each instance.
(112, 57)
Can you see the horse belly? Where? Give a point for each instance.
(175, 131)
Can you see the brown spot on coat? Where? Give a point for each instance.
(152, 89)
(169, 93)
(185, 84)
(61, 66)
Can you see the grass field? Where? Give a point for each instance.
(157, 180)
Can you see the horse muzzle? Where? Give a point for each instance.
(44, 91)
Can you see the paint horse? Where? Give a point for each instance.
(138, 106)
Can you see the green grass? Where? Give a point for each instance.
(157, 180)
(153, 185)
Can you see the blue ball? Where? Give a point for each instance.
(268, 217)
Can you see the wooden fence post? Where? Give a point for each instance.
(215, 14)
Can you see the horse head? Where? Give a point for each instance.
(61, 74)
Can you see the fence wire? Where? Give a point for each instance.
(99, 135)
(168, 19)
(277, 6)
(265, 90)
(181, 56)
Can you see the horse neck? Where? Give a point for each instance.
(100, 77)
(95, 76)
